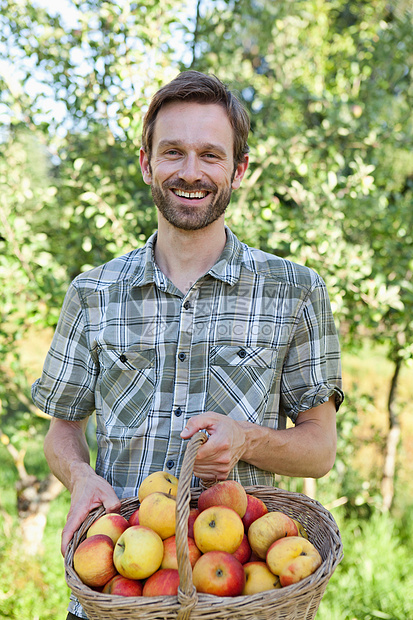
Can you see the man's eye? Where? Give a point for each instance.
(210, 155)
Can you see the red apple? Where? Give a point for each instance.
(193, 513)
(228, 493)
(219, 573)
(122, 586)
(112, 524)
(164, 582)
(255, 509)
(134, 518)
(169, 554)
(93, 560)
(243, 553)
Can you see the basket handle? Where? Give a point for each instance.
(187, 594)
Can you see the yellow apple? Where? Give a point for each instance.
(93, 560)
(292, 559)
(112, 524)
(218, 528)
(157, 511)
(138, 552)
(158, 481)
(225, 493)
(268, 528)
(301, 529)
(170, 560)
(219, 573)
(259, 578)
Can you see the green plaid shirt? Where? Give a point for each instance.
(254, 339)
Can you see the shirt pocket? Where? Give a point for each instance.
(240, 381)
(127, 381)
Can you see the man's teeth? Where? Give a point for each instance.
(182, 194)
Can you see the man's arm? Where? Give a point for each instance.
(306, 450)
(67, 454)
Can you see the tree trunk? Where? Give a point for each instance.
(392, 441)
(33, 500)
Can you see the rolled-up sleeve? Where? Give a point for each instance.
(67, 385)
(312, 368)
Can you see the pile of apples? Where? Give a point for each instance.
(236, 545)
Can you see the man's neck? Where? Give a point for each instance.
(184, 256)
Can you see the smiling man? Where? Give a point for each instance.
(194, 331)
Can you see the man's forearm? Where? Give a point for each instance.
(306, 450)
(66, 450)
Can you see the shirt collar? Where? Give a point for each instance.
(227, 268)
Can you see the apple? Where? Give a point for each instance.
(292, 559)
(259, 578)
(243, 553)
(193, 513)
(122, 586)
(134, 518)
(301, 529)
(169, 555)
(164, 582)
(138, 552)
(160, 482)
(93, 560)
(225, 493)
(157, 511)
(218, 528)
(112, 524)
(255, 509)
(268, 528)
(219, 573)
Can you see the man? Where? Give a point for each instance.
(193, 331)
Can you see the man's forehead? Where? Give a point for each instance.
(177, 118)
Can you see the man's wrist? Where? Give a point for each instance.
(78, 471)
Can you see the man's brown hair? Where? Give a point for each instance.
(202, 88)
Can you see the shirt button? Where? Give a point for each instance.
(187, 305)
(182, 357)
(170, 464)
(178, 412)
(123, 358)
(242, 353)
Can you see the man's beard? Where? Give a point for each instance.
(187, 217)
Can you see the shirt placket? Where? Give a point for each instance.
(182, 377)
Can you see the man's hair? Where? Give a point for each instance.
(201, 88)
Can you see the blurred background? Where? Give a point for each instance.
(329, 88)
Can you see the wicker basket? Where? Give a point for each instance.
(296, 602)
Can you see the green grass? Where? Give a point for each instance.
(375, 578)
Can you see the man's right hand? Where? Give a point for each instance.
(88, 491)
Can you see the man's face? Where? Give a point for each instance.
(191, 171)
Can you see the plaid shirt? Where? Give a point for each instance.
(254, 338)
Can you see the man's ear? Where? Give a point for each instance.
(240, 170)
(145, 167)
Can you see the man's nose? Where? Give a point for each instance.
(191, 170)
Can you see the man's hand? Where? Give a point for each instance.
(224, 448)
(88, 491)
